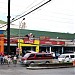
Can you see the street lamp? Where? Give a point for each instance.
(21, 26)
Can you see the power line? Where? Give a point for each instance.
(29, 8)
(3, 26)
(31, 11)
(33, 6)
(23, 12)
(28, 12)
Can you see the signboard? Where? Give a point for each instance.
(52, 42)
(28, 41)
(69, 43)
(11, 40)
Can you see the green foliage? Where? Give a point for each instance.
(2, 22)
(23, 32)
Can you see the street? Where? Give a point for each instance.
(21, 70)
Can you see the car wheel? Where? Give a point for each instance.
(31, 64)
(47, 62)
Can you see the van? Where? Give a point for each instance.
(36, 58)
(69, 57)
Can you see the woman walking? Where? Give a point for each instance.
(9, 60)
(15, 60)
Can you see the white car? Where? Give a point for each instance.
(70, 57)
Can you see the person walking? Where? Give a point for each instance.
(6, 59)
(9, 60)
(15, 61)
(2, 59)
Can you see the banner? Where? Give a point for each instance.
(52, 42)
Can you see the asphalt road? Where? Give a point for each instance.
(21, 70)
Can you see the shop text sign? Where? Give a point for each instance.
(52, 42)
(11, 40)
(28, 41)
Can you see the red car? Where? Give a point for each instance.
(36, 58)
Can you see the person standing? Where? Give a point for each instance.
(2, 59)
(15, 60)
(9, 60)
(6, 59)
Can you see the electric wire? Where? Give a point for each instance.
(3, 26)
(25, 11)
(31, 10)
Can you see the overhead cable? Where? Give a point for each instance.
(28, 9)
(3, 26)
(27, 13)
(31, 11)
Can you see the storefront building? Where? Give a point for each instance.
(36, 44)
(13, 46)
(46, 45)
(28, 44)
(41, 41)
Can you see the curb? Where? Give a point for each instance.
(50, 66)
(36, 68)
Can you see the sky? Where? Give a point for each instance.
(55, 16)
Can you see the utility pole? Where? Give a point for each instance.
(8, 28)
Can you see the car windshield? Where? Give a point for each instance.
(61, 56)
(26, 55)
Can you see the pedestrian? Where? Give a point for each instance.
(9, 60)
(6, 59)
(2, 59)
(15, 61)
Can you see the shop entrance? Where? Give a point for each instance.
(69, 49)
(28, 48)
(44, 49)
(57, 50)
(12, 50)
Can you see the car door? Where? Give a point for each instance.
(67, 59)
(72, 58)
(39, 58)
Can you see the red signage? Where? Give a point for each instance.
(52, 42)
(28, 41)
(11, 40)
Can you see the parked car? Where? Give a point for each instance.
(31, 52)
(36, 58)
(69, 57)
